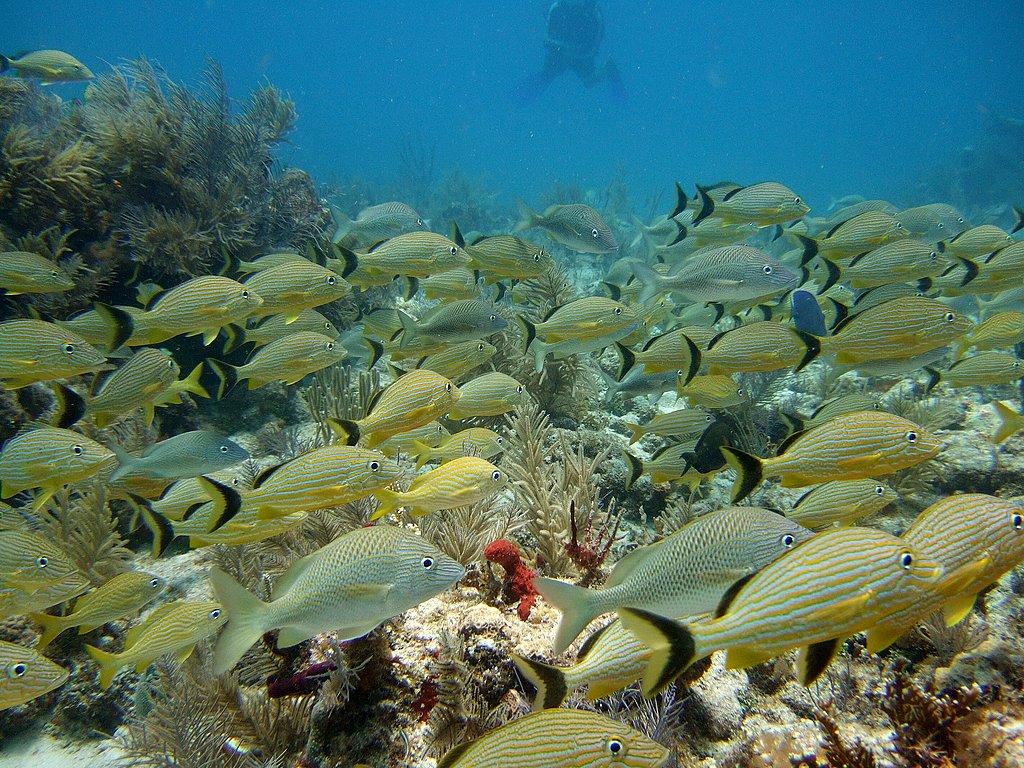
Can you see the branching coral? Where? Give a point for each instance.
(518, 581)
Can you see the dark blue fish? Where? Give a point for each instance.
(807, 314)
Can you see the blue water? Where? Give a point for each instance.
(832, 100)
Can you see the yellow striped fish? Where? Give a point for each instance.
(26, 272)
(764, 204)
(49, 458)
(586, 318)
(449, 323)
(836, 406)
(104, 326)
(1003, 329)
(288, 359)
(684, 574)
(268, 329)
(864, 232)
(1010, 422)
(976, 539)
(325, 477)
(475, 441)
(681, 423)
(29, 562)
(841, 502)
(268, 260)
(414, 399)
(183, 497)
(456, 483)
(712, 392)
(648, 316)
(377, 222)
(450, 285)
(26, 674)
(854, 445)
(896, 262)
(837, 584)
(48, 65)
(761, 346)
(34, 350)
(123, 594)
(900, 328)
(559, 738)
(247, 529)
(672, 351)
(16, 602)
(413, 254)
(668, 464)
(220, 504)
(576, 226)
(289, 288)
(458, 359)
(430, 434)
(979, 370)
(977, 241)
(201, 306)
(507, 257)
(490, 394)
(933, 222)
(174, 627)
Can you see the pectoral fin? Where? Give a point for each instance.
(956, 610)
(746, 656)
(814, 659)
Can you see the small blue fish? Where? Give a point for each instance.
(189, 454)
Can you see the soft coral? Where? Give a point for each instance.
(518, 576)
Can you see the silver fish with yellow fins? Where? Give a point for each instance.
(289, 288)
(27, 272)
(174, 627)
(855, 445)
(49, 66)
(681, 423)
(288, 359)
(835, 585)
(475, 441)
(841, 502)
(489, 394)
(35, 350)
(578, 227)
(456, 483)
(764, 204)
(49, 458)
(26, 674)
(352, 585)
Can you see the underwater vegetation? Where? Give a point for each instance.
(398, 481)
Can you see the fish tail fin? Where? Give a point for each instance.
(245, 620)
(409, 329)
(548, 679)
(628, 360)
(227, 502)
(343, 224)
(349, 259)
(576, 604)
(636, 468)
(1018, 213)
(234, 337)
(934, 377)
(1009, 421)
(793, 423)
(227, 376)
(119, 324)
(191, 383)
(636, 431)
(812, 348)
(412, 285)
(70, 406)
(810, 246)
(707, 206)
(376, 351)
(347, 430)
(5, 63)
(681, 234)
(421, 452)
(832, 272)
(161, 528)
(126, 462)
(528, 218)
(109, 665)
(672, 643)
(681, 201)
(388, 502)
(749, 471)
(529, 332)
(52, 626)
(649, 280)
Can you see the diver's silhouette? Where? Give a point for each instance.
(575, 29)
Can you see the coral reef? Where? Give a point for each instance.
(517, 584)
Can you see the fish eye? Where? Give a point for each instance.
(154, 582)
(899, 225)
(519, 389)
(740, 392)
(495, 475)
(53, 273)
(480, 347)
(69, 348)
(797, 200)
(42, 561)
(615, 747)
(327, 324)
(170, 363)
(618, 310)
(374, 466)
(708, 418)
(536, 257)
(448, 387)
(767, 269)
(950, 317)
(453, 251)
(331, 280)
(19, 669)
(428, 563)
(788, 540)
(906, 560)
(493, 317)
(959, 219)
(77, 450)
(245, 294)
(880, 490)
(940, 225)
(215, 614)
(223, 449)
(911, 437)
(330, 346)
(500, 441)
(594, 232)
(933, 256)
(1018, 521)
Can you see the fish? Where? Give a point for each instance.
(978, 370)
(198, 307)
(26, 272)
(636, 383)
(562, 349)
(681, 423)
(30, 562)
(458, 359)
(578, 227)
(854, 445)
(47, 459)
(183, 497)
(104, 326)
(414, 254)
(559, 738)
(207, 513)
(414, 399)
(248, 530)
(896, 262)
(119, 596)
(712, 392)
(475, 441)
(764, 204)
(351, 586)
(933, 222)
(841, 502)
(854, 208)
(430, 434)
(453, 322)
(760, 346)
(378, 222)
(1010, 422)
(289, 288)
(728, 273)
(998, 331)
(489, 394)
(671, 351)
(321, 478)
(976, 241)
(47, 65)
(899, 328)
(26, 674)
(268, 260)
(450, 285)
(668, 464)
(837, 584)
(684, 574)
(808, 315)
(583, 319)
(17, 602)
(864, 232)
(835, 406)
(188, 454)
(460, 482)
(976, 538)
(507, 257)
(273, 327)
(288, 359)
(35, 350)
(174, 627)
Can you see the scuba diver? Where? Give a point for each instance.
(575, 29)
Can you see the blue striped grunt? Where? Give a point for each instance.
(49, 458)
(764, 204)
(581, 320)
(458, 359)
(681, 423)
(841, 502)
(507, 257)
(578, 227)
(27, 272)
(671, 351)
(267, 329)
(712, 392)
(760, 346)
(978, 370)
(456, 483)
(30, 562)
(26, 674)
(34, 350)
(294, 286)
(489, 394)
(475, 441)
(288, 359)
